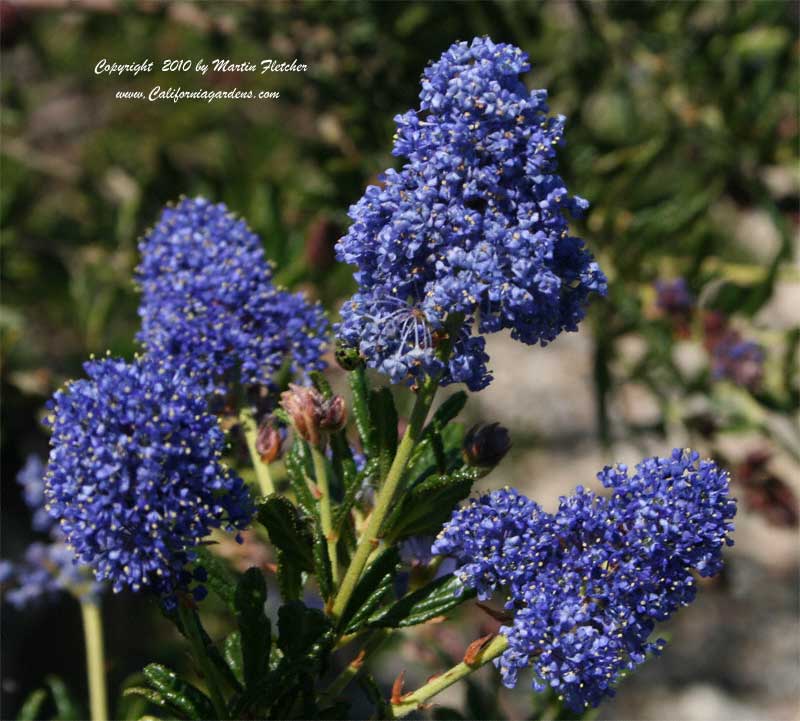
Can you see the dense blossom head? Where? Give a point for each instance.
(46, 570)
(474, 225)
(738, 360)
(31, 478)
(209, 303)
(588, 583)
(135, 476)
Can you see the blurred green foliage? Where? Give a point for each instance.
(682, 132)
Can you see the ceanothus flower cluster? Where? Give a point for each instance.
(472, 232)
(46, 570)
(588, 583)
(135, 476)
(31, 478)
(209, 303)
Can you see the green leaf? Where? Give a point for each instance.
(287, 531)
(254, 626)
(210, 650)
(434, 599)
(220, 578)
(428, 458)
(371, 587)
(351, 491)
(232, 652)
(297, 462)
(185, 697)
(384, 417)
(290, 578)
(344, 467)
(321, 384)
(301, 630)
(361, 411)
(446, 412)
(32, 707)
(156, 698)
(322, 563)
(428, 505)
(67, 708)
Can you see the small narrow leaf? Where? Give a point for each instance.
(232, 652)
(287, 531)
(351, 491)
(67, 708)
(321, 384)
(296, 462)
(428, 505)
(220, 578)
(372, 580)
(434, 599)
(185, 697)
(361, 412)
(384, 416)
(290, 578)
(301, 629)
(32, 707)
(156, 698)
(322, 562)
(254, 626)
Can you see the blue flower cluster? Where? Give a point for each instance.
(47, 569)
(739, 360)
(588, 583)
(135, 476)
(31, 478)
(472, 231)
(209, 303)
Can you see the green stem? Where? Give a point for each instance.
(263, 475)
(385, 497)
(321, 473)
(191, 626)
(440, 683)
(95, 664)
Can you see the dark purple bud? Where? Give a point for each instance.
(486, 445)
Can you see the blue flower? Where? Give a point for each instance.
(738, 360)
(473, 228)
(135, 476)
(31, 478)
(46, 570)
(209, 303)
(674, 297)
(588, 583)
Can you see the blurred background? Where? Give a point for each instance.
(683, 134)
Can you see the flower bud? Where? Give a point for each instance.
(486, 445)
(312, 415)
(348, 357)
(334, 414)
(269, 441)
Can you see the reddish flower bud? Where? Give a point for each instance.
(269, 441)
(313, 415)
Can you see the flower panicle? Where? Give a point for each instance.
(588, 583)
